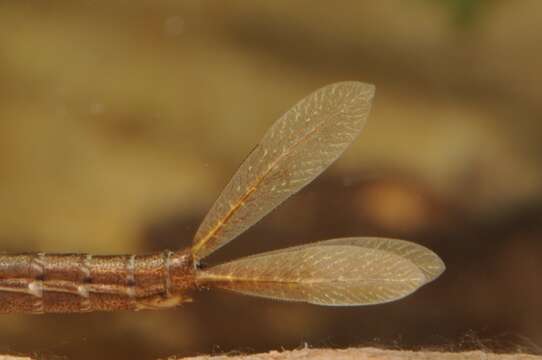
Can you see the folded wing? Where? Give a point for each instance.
(426, 260)
(324, 273)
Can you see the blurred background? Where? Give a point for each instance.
(121, 121)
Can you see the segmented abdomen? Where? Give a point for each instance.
(61, 283)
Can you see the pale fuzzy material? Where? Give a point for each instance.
(369, 354)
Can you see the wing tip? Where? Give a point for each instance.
(436, 270)
(362, 88)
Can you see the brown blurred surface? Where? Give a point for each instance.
(121, 121)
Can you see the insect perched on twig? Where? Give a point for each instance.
(295, 150)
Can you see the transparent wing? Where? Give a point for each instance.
(296, 149)
(320, 274)
(426, 260)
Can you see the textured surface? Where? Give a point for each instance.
(351, 354)
(324, 275)
(371, 353)
(296, 149)
(66, 283)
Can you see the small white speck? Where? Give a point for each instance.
(97, 108)
(348, 181)
(82, 290)
(62, 111)
(61, 91)
(130, 291)
(174, 26)
(35, 289)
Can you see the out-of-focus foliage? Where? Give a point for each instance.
(466, 12)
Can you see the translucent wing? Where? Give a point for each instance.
(296, 149)
(426, 260)
(324, 274)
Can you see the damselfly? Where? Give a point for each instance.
(295, 150)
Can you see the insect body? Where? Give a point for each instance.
(295, 150)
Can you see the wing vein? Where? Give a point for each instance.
(251, 189)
